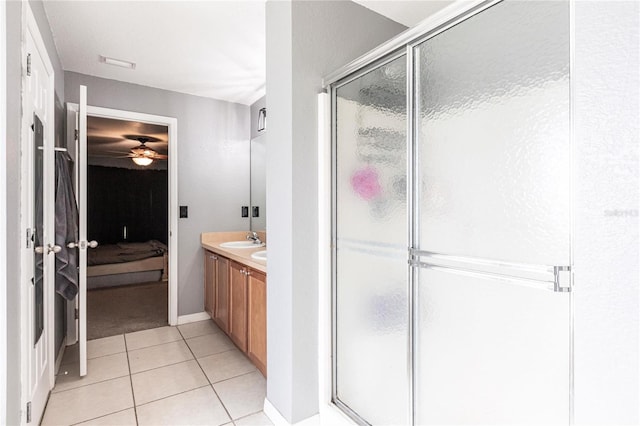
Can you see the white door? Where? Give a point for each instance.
(82, 228)
(38, 217)
(78, 118)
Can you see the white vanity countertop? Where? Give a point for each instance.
(211, 241)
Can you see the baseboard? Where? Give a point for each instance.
(199, 316)
(278, 419)
(274, 415)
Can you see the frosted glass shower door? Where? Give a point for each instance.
(493, 244)
(370, 258)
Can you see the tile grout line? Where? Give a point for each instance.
(249, 415)
(207, 377)
(172, 395)
(89, 384)
(130, 373)
(235, 377)
(171, 341)
(53, 391)
(99, 417)
(156, 344)
(133, 394)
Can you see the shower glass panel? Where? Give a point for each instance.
(370, 226)
(493, 147)
(494, 135)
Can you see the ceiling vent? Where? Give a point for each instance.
(118, 62)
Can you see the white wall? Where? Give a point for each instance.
(607, 139)
(306, 40)
(213, 165)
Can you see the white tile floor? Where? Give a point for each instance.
(186, 375)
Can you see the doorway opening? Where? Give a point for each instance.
(127, 214)
(131, 214)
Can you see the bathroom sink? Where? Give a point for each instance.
(260, 255)
(240, 244)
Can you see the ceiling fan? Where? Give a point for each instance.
(142, 155)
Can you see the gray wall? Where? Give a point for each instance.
(213, 165)
(13, 172)
(255, 107)
(306, 40)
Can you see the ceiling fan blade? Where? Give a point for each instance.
(160, 157)
(108, 156)
(118, 152)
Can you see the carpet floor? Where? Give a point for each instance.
(118, 310)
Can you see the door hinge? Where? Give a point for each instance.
(29, 412)
(28, 64)
(562, 279)
(76, 134)
(29, 238)
(76, 313)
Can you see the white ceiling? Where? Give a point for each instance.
(208, 48)
(214, 49)
(406, 12)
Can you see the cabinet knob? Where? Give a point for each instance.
(248, 272)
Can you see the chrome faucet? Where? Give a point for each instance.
(254, 237)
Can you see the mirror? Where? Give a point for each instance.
(258, 211)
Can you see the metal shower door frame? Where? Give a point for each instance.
(558, 278)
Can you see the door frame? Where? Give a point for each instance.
(30, 26)
(172, 125)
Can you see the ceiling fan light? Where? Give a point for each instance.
(142, 161)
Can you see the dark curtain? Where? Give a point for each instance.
(137, 199)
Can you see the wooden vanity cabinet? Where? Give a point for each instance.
(209, 282)
(257, 319)
(235, 296)
(221, 315)
(238, 305)
(216, 289)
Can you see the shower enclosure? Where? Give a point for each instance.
(452, 223)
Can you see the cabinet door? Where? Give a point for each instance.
(209, 282)
(257, 316)
(238, 307)
(221, 292)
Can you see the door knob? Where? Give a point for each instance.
(50, 248)
(83, 244)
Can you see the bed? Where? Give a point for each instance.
(126, 263)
